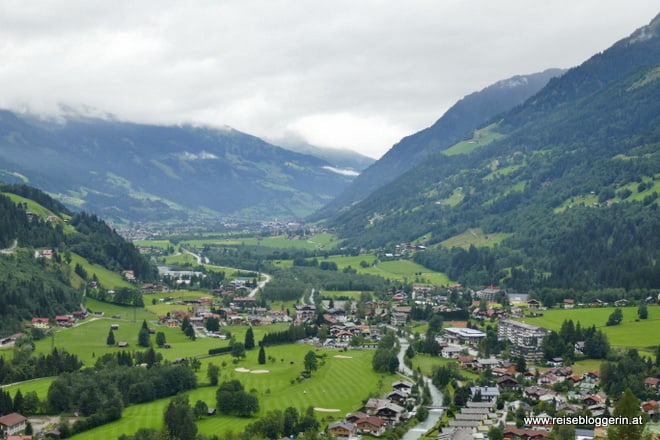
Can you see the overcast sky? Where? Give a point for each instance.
(347, 74)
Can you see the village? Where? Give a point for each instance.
(501, 393)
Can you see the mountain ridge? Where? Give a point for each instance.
(129, 171)
(465, 115)
(587, 141)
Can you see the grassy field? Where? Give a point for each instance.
(160, 244)
(476, 237)
(88, 339)
(352, 294)
(399, 270)
(480, 139)
(107, 278)
(340, 384)
(32, 205)
(319, 241)
(40, 386)
(640, 334)
(427, 364)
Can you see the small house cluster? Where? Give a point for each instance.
(378, 416)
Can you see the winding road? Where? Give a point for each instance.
(204, 261)
(11, 249)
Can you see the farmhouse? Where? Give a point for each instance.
(12, 424)
(40, 323)
(370, 425)
(390, 411)
(305, 312)
(341, 430)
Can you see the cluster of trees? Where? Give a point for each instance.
(27, 405)
(33, 287)
(179, 423)
(25, 365)
(187, 328)
(291, 284)
(123, 296)
(287, 423)
(100, 244)
(627, 371)
(231, 398)
(385, 358)
(444, 375)
(40, 286)
(292, 334)
(29, 231)
(562, 344)
(102, 392)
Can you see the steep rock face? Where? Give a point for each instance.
(133, 171)
(466, 115)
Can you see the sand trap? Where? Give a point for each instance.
(327, 409)
(341, 356)
(259, 371)
(241, 370)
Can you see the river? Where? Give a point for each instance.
(434, 414)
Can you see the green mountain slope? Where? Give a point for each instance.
(571, 175)
(33, 283)
(128, 171)
(463, 117)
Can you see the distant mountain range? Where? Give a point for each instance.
(346, 161)
(127, 171)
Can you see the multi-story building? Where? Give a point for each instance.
(463, 336)
(526, 338)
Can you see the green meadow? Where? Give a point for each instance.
(318, 241)
(476, 237)
(160, 244)
(33, 206)
(428, 364)
(334, 294)
(480, 138)
(107, 278)
(342, 382)
(398, 270)
(88, 339)
(642, 334)
(40, 386)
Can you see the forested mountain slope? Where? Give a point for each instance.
(463, 117)
(33, 284)
(571, 177)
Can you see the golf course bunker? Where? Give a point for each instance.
(341, 356)
(326, 409)
(259, 371)
(241, 370)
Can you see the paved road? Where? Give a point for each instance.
(201, 260)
